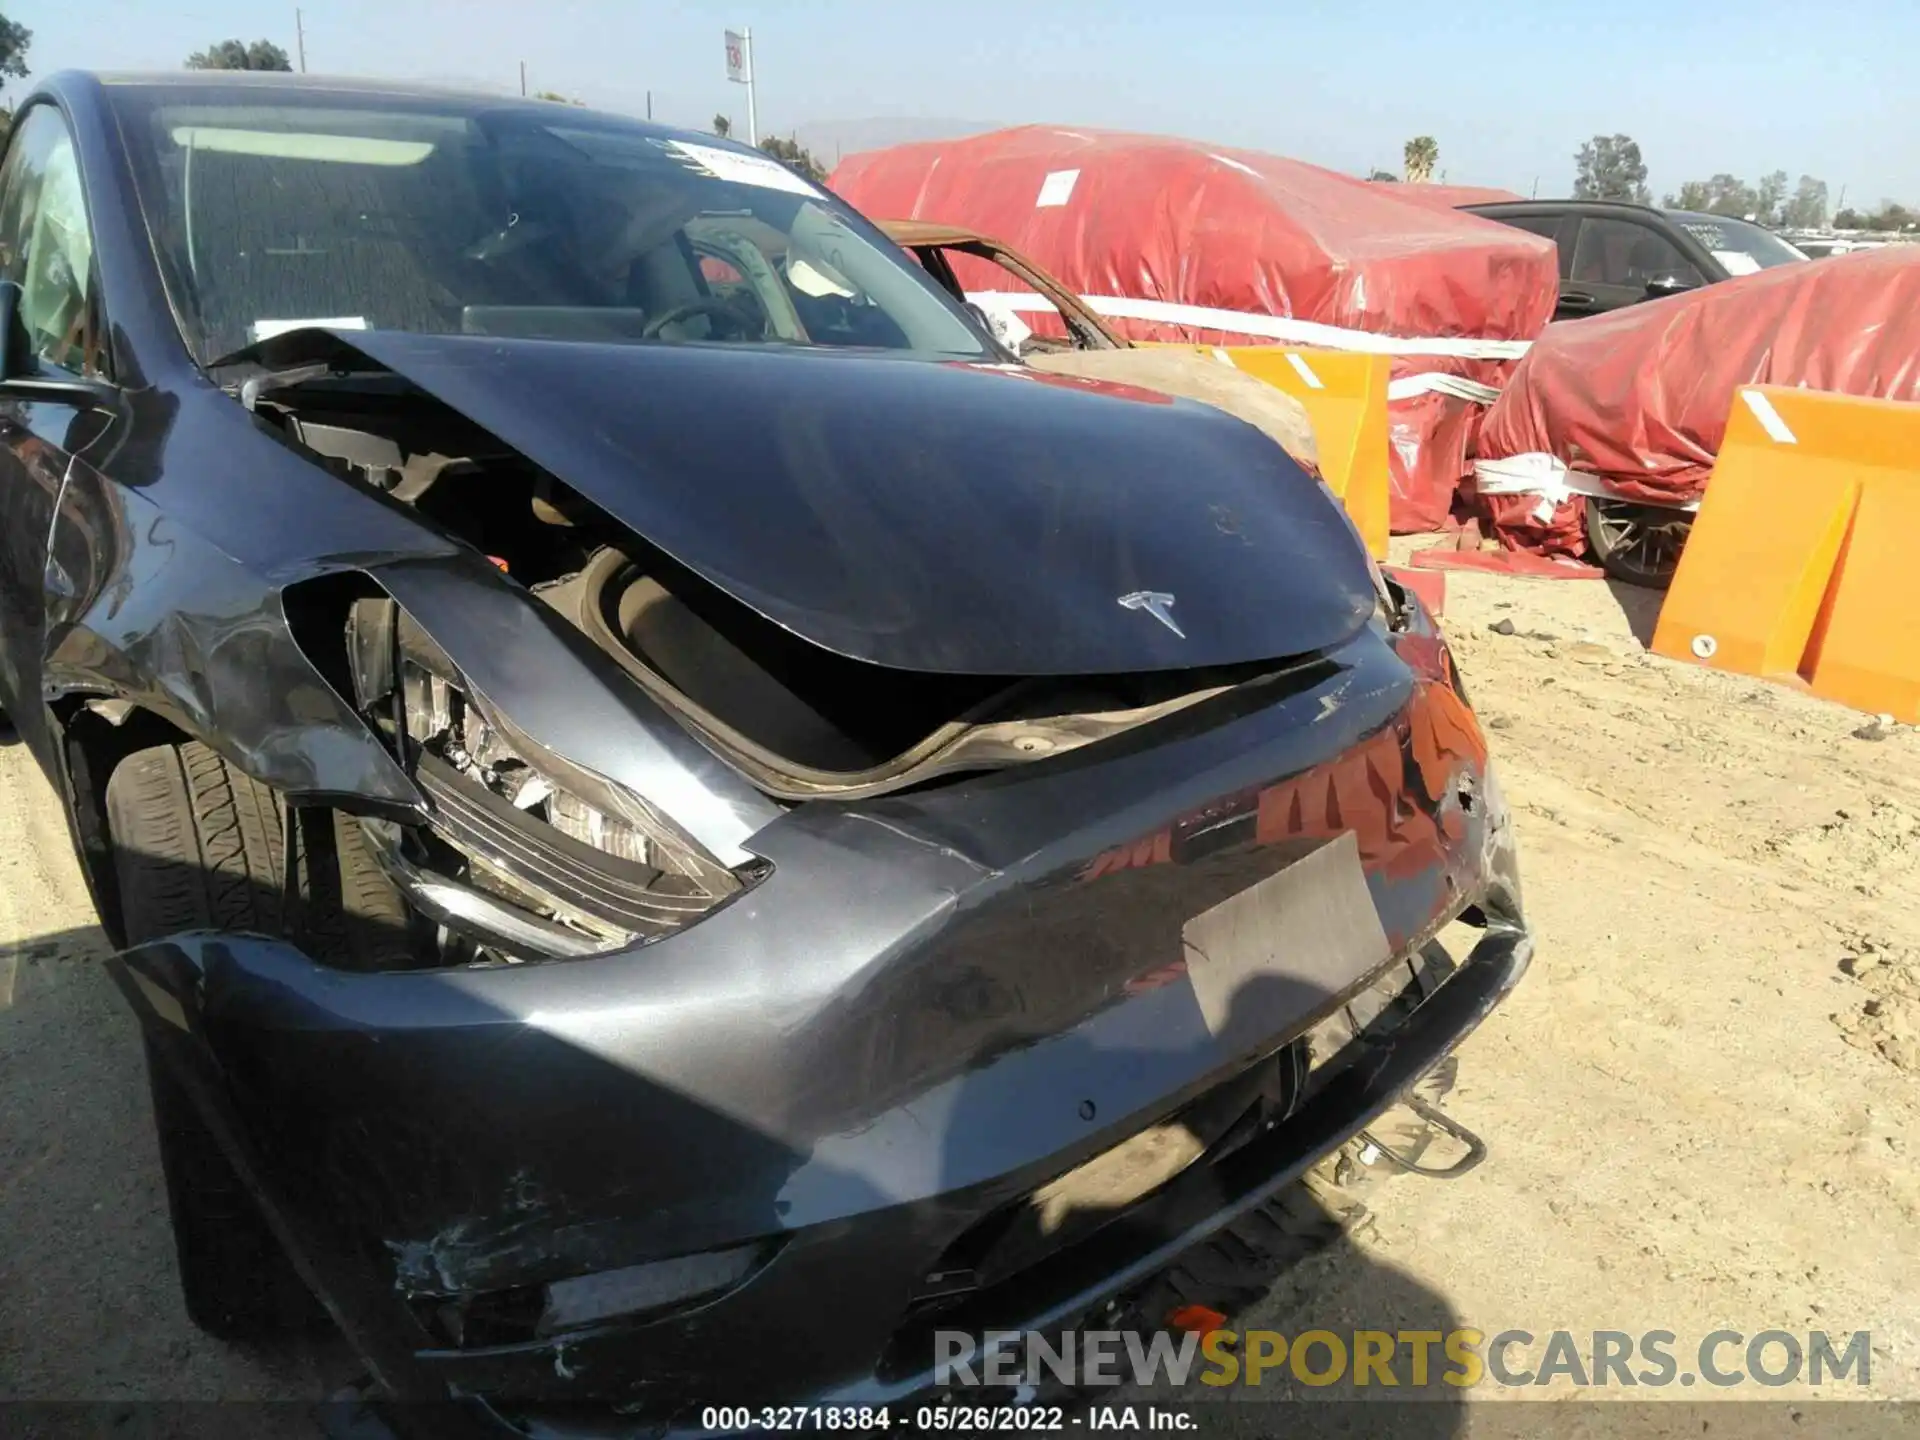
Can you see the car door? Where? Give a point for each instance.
(1555, 225)
(46, 248)
(1618, 262)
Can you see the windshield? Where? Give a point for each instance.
(1742, 248)
(456, 216)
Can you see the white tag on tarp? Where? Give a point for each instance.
(1056, 189)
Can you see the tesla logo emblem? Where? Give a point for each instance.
(1156, 603)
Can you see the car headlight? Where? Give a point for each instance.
(526, 852)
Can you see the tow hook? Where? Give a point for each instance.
(1439, 1120)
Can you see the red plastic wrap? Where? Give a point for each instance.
(1446, 197)
(1430, 437)
(1519, 522)
(1509, 562)
(1639, 397)
(1146, 218)
(1151, 218)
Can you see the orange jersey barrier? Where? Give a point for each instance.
(1799, 563)
(1345, 395)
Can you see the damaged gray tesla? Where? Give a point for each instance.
(660, 798)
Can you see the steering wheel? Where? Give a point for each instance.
(707, 305)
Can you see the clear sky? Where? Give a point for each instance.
(1508, 90)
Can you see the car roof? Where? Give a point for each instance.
(1515, 207)
(933, 232)
(245, 86)
(1603, 207)
(1702, 217)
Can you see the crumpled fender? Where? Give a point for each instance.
(142, 608)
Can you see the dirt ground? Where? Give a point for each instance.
(1703, 1104)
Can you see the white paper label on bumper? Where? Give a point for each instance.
(1313, 926)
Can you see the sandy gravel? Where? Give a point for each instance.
(89, 1308)
(1703, 1105)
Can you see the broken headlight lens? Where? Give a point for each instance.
(527, 853)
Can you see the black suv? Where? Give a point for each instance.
(1614, 254)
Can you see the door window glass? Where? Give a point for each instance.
(46, 247)
(1545, 226)
(1627, 253)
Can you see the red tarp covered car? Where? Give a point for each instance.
(1178, 240)
(1447, 197)
(1634, 403)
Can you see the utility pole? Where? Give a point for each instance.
(649, 104)
(523, 79)
(753, 118)
(740, 72)
(300, 39)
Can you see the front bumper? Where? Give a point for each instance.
(936, 1004)
(1181, 1215)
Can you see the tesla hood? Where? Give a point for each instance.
(926, 515)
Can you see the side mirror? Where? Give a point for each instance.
(1668, 284)
(22, 377)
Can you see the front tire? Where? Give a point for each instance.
(199, 845)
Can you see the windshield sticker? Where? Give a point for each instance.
(737, 168)
(267, 329)
(1737, 262)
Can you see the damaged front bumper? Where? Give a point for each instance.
(608, 1179)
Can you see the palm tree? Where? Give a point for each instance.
(1421, 153)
